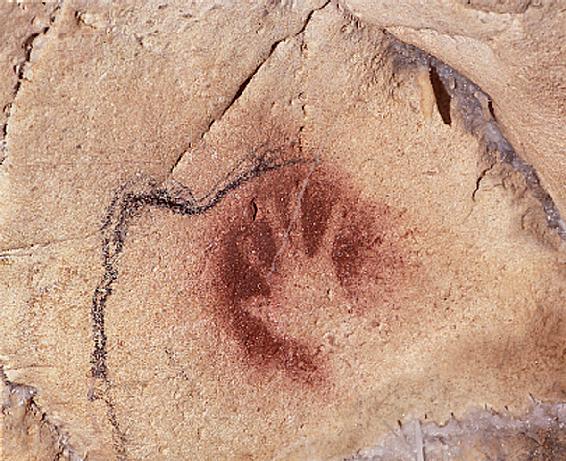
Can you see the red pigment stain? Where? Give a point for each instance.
(333, 224)
(316, 208)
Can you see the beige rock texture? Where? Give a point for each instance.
(283, 230)
(514, 50)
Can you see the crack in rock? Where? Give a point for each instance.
(22, 70)
(540, 426)
(31, 248)
(474, 107)
(245, 83)
(18, 404)
(481, 177)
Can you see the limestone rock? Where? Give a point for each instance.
(277, 230)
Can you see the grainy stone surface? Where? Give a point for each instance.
(161, 158)
(514, 50)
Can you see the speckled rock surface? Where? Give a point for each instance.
(247, 230)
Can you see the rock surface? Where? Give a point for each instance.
(238, 230)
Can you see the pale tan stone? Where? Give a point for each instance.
(513, 50)
(131, 110)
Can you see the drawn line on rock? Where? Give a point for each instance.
(123, 208)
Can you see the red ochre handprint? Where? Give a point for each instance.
(299, 218)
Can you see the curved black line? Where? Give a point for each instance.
(124, 206)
